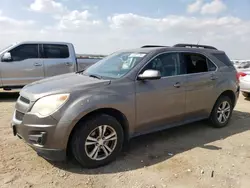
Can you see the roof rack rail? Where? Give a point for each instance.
(152, 46)
(195, 46)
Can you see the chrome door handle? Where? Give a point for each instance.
(68, 64)
(37, 64)
(177, 85)
(213, 77)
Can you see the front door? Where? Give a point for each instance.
(161, 103)
(200, 88)
(24, 67)
(57, 59)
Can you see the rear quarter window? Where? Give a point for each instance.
(223, 58)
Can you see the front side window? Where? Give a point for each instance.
(168, 64)
(25, 51)
(55, 51)
(116, 65)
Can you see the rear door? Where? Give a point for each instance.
(200, 89)
(24, 68)
(57, 59)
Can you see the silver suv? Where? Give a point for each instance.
(92, 113)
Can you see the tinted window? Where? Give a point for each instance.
(168, 64)
(195, 63)
(55, 51)
(25, 51)
(223, 58)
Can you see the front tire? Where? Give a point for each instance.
(97, 141)
(245, 94)
(222, 112)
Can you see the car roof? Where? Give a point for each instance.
(43, 42)
(174, 49)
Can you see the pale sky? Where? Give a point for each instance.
(104, 26)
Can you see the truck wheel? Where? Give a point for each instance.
(97, 141)
(221, 112)
(245, 94)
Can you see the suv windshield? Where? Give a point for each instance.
(116, 65)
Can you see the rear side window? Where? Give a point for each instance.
(223, 58)
(195, 63)
(24, 51)
(55, 51)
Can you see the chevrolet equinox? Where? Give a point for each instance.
(92, 113)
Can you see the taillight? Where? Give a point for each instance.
(240, 74)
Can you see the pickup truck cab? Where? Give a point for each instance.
(26, 62)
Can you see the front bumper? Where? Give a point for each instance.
(38, 138)
(45, 135)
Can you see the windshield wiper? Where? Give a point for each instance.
(80, 71)
(95, 76)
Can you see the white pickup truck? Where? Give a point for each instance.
(26, 62)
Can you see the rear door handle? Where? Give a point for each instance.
(37, 64)
(177, 85)
(68, 64)
(213, 77)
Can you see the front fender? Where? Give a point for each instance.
(87, 104)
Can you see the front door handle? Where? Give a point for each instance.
(37, 64)
(177, 85)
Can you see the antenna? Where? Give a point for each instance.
(199, 40)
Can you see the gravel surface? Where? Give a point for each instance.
(191, 156)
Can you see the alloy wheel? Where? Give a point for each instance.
(223, 112)
(101, 142)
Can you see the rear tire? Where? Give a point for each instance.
(97, 141)
(222, 112)
(245, 94)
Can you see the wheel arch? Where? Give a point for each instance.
(118, 115)
(228, 93)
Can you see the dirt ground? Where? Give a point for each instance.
(191, 156)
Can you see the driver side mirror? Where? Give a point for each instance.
(150, 75)
(7, 57)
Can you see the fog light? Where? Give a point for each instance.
(39, 138)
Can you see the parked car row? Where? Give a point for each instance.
(241, 64)
(26, 62)
(92, 113)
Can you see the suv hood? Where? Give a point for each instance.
(59, 84)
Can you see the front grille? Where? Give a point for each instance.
(19, 115)
(24, 100)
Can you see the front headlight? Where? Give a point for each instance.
(48, 105)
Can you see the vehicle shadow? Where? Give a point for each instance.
(157, 147)
(8, 96)
(247, 99)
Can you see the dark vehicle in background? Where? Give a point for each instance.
(92, 113)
